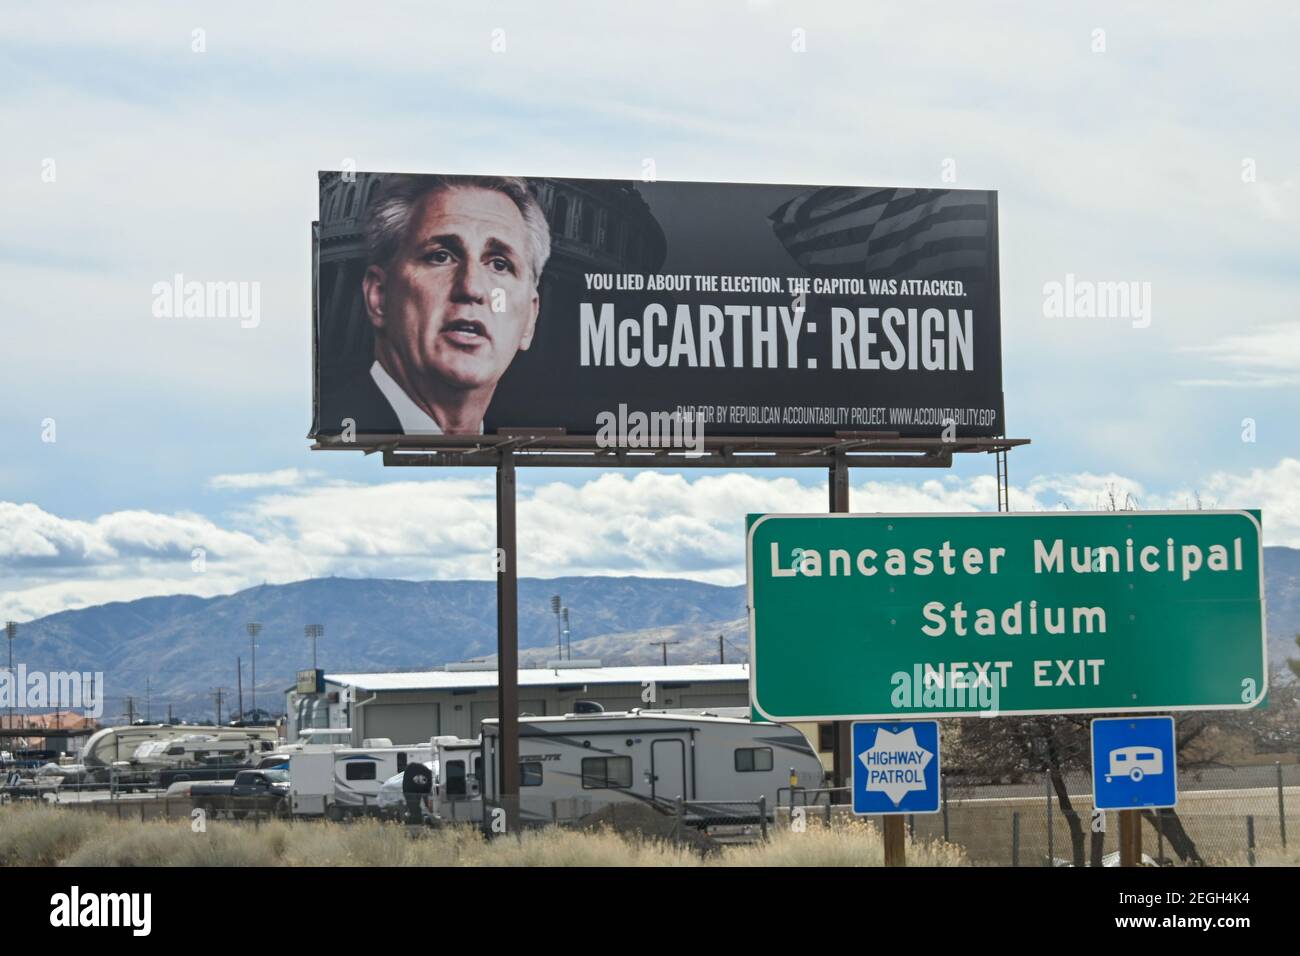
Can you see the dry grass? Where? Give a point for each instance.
(164, 843)
(46, 836)
(555, 847)
(1274, 856)
(846, 843)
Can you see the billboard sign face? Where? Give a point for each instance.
(462, 305)
(885, 616)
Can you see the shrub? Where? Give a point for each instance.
(42, 836)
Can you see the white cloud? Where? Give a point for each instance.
(1274, 490)
(282, 478)
(645, 523)
(1267, 356)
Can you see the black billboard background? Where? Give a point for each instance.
(719, 229)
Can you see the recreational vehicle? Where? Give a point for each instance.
(114, 745)
(457, 772)
(197, 750)
(574, 765)
(345, 781)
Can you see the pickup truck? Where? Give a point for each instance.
(252, 791)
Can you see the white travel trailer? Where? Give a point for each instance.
(113, 745)
(574, 765)
(344, 781)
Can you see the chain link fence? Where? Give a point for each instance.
(1228, 815)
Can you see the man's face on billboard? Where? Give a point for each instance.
(463, 252)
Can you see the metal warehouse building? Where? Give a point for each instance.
(412, 707)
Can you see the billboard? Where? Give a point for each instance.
(462, 305)
(311, 681)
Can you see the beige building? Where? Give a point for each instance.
(412, 707)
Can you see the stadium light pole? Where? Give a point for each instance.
(313, 631)
(253, 629)
(568, 639)
(559, 640)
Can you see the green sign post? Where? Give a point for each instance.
(879, 616)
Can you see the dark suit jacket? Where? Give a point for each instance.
(360, 399)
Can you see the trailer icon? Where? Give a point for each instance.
(1135, 763)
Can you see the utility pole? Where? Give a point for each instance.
(559, 639)
(568, 642)
(313, 631)
(664, 645)
(722, 653)
(130, 710)
(218, 693)
(148, 716)
(239, 677)
(170, 720)
(11, 632)
(253, 629)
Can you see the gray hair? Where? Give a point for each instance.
(389, 213)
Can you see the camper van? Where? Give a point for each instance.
(574, 765)
(339, 782)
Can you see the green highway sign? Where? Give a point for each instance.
(879, 616)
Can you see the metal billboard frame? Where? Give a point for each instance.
(553, 448)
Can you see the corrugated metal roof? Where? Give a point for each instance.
(544, 677)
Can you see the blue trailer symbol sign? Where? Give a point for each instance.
(896, 767)
(1133, 763)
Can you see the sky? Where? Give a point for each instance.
(148, 455)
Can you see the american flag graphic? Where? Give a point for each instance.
(915, 234)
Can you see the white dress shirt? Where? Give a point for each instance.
(413, 419)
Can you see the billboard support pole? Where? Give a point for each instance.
(841, 730)
(507, 641)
